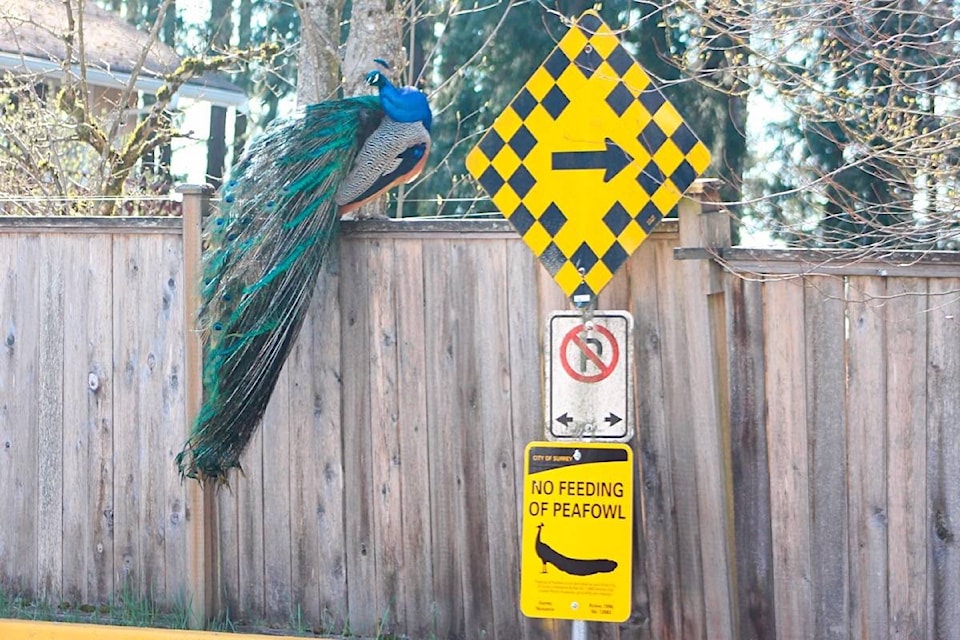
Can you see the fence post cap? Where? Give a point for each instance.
(194, 189)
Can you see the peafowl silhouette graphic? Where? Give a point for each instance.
(263, 250)
(572, 566)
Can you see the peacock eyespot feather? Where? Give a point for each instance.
(217, 326)
(219, 222)
(229, 198)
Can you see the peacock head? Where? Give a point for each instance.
(402, 104)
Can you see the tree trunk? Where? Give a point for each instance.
(319, 64)
(376, 30)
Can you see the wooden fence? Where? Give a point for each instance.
(797, 443)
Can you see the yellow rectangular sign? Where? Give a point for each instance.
(577, 533)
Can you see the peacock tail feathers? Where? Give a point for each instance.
(265, 247)
(262, 254)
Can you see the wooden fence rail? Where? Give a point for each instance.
(798, 465)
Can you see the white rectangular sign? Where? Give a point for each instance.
(589, 376)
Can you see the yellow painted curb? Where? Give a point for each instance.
(30, 630)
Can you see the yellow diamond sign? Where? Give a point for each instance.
(587, 158)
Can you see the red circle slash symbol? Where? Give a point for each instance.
(588, 351)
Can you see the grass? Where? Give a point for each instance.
(126, 608)
(129, 608)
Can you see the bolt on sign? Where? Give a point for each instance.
(587, 159)
(577, 532)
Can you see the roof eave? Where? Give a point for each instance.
(119, 80)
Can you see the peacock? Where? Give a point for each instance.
(263, 250)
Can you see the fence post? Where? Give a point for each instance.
(202, 561)
(705, 224)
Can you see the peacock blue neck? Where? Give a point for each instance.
(404, 104)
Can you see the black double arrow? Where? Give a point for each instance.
(612, 159)
(611, 419)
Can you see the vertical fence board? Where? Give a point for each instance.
(129, 360)
(415, 456)
(82, 283)
(474, 540)
(704, 360)
(327, 465)
(359, 518)
(943, 457)
(10, 388)
(251, 532)
(304, 476)
(867, 466)
(751, 480)
(19, 416)
(906, 455)
(102, 582)
(26, 443)
(825, 380)
(654, 611)
(172, 429)
(787, 451)
(495, 425)
(681, 440)
(445, 342)
(50, 425)
(228, 546)
(88, 421)
(385, 440)
(277, 509)
(151, 420)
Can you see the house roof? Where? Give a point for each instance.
(31, 39)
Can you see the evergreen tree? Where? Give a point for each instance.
(862, 135)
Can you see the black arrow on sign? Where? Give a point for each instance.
(613, 159)
(565, 420)
(612, 419)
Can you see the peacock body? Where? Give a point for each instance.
(263, 250)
